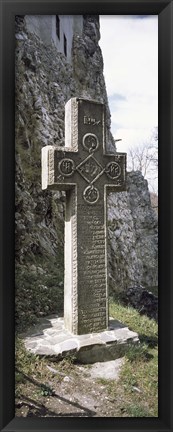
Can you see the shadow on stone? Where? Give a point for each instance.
(115, 324)
(37, 329)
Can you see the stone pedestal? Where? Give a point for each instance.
(51, 339)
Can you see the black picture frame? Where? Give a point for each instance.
(164, 10)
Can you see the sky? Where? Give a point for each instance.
(129, 46)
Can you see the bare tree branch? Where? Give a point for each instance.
(144, 157)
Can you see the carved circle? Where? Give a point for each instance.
(90, 142)
(91, 194)
(66, 167)
(113, 170)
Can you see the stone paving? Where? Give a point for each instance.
(50, 338)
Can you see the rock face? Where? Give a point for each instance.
(133, 237)
(142, 300)
(45, 81)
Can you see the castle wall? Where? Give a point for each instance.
(44, 26)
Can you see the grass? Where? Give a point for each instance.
(135, 394)
(29, 369)
(32, 376)
(138, 383)
(37, 294)
(145, 327)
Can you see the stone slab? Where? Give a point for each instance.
(90, 348)
(109, 370)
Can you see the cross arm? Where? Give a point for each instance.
(58, 167)
(115, 171)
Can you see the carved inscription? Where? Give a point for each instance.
(66, 167)
(90, 169)
(113, 170)
(90, 142)
(93, 275)
(91, 194)
(86, 172)
(91, 121)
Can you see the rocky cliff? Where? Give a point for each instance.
(44, 83)
(133, 232)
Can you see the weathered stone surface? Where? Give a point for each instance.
(70, 345)
(91, 341)
(109, 370)
(88, 348)
(87, 173)
(45, 351)
(142, 300)
(44, 83)
(133, 237)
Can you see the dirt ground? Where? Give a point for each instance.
(73, 394)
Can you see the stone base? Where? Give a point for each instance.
(49, 338)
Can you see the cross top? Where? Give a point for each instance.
(84, 159)
(86, 172)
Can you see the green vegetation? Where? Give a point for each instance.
(138, 383)
(32, 374)
(135, 394)
(39, 291)
(145, 327)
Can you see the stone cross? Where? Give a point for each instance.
(84, 170)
